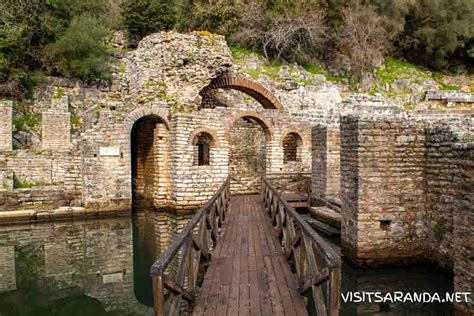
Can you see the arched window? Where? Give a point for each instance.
(292, 145)
(202, 149)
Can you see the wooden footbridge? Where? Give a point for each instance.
(247, 255)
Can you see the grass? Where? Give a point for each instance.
(394, 69)
(438, 77)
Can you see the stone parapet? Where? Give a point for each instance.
(6, 125)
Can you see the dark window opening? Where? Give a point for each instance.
(292, 148)
(202, 149)
(203, 154)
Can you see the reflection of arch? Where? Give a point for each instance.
(292, 146)
(262, 121)
(243, 84)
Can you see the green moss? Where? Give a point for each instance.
(22, 185)
(394, 69)
(439, 78)
(408, 106)
(314, 69)
(122, 68)
(30, 120)
(59, 93)
(439, 229)
(75, 120)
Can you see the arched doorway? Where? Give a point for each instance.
(149, 158)
(248, 142)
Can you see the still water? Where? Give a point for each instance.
(101, 267)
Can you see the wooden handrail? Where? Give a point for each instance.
(303, 246)
(175, 273)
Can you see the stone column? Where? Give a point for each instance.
(56, 125)
(6, 125)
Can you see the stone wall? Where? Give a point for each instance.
(382, 177)
(463, 224)
(325, 172)
(5, 125)
(440, 192)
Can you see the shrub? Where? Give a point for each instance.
(81, 52)
(143, 17)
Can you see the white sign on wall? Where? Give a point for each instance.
(109, 151)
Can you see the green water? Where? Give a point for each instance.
(101, 267)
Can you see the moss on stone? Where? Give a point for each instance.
(439, 78)
(23, 185)
(58, 93)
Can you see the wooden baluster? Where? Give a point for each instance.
(158, 296)
(334, 290)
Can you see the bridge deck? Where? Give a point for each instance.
(249, 274)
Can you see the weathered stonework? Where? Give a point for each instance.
(382, 189)
(6, 125)
(325, 171)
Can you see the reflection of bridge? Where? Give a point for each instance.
(261, 257)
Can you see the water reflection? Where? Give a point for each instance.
(68, 268)
(101, 267)
(152, 233)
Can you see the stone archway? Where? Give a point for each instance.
(248, 136)
(150, 151)
(247, 86)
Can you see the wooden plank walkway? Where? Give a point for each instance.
(249, 274)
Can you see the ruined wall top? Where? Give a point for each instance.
(175, 66)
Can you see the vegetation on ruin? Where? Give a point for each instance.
(30, 120)
(347, 41)
(439, 229)
(27, 185)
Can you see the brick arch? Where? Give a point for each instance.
(267, 126)
(296, 131)
(137, 114)
(247, 86)
(210, 131)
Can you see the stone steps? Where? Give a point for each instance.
(322, 227)
(326, 215)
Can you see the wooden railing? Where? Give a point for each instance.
(317, 265)
(291, 181)
(176, 274)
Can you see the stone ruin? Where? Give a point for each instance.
(179, 117)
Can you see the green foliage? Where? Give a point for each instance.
(394, 69)
(80, 52)
(437, 30)
(27, 185)
(40, 36)
(439, 229)
(314, 69)
(30, 120)
(143, 17)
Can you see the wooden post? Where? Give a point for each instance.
(158, 296)
(334, 290)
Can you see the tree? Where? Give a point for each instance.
(81, 52)
(361, 37)
(143, 17)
